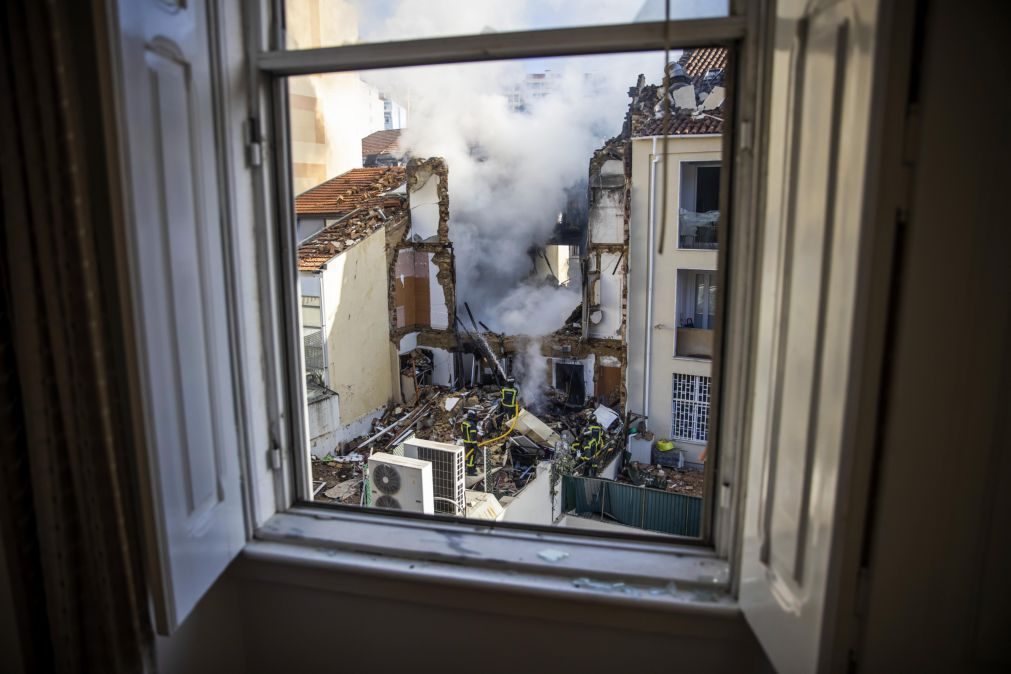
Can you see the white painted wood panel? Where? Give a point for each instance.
(178, 281)
(804, 410)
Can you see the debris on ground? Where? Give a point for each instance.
(343, 490)
(686, 481)
(541, 432)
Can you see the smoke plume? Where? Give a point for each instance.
(508, 169)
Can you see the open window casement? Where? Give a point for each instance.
(819, 332)
(173, 249)
(805, 492)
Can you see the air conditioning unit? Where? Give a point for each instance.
(448, 476)
(401, 483)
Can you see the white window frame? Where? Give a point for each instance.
(347, 532)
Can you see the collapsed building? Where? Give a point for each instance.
(377, 260)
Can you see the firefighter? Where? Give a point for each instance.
(588, 449)
(468, 429)
(510, 400)
(597, 433)
(577, 450)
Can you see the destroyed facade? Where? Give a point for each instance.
(634, 358)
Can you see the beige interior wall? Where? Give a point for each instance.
(357, 327)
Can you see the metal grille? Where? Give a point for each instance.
(312, 340)
(690, 410)
(448, 482)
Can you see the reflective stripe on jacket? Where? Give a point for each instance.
(468, 431)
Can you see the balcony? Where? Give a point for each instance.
(698, 230)
(694, 343)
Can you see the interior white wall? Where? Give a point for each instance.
(424, 203)
(607, 217)
(610, 298)
(442, 367)
(439, 312)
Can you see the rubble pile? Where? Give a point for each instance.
(539, 432)
(573, 324)
(686, 481)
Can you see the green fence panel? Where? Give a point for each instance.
(649, 509)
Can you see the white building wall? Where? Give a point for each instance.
(661, 362)
(533, 503)
(356, 308)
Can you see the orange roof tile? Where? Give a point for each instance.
(362, 204)
(381, 142)
(348, 191)
(697, 62)
(347, 231)
(707, 122)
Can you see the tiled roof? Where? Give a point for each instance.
(344, 233)
(361, 203)
(708, 122)
(381, 142)
(348, 191)
(695, 63)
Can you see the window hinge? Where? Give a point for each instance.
(254, 142)
(274, 455)
(745, 136)
(725, 495)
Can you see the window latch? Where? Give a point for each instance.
(254, 142)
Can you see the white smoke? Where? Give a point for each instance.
(508, 170)
(531, 369)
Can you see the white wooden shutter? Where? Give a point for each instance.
(802, 489)
(174, 247)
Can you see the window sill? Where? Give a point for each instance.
(645, 574)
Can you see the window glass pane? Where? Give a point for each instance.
(329, 23)
(473, 283)
(699, 204)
